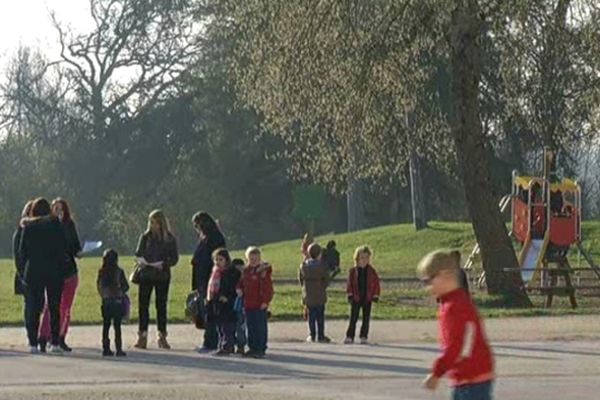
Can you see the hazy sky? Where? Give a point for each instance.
(28, 22)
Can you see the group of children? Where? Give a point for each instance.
(237, 301)
(240, 293)
(238, 298)
(362, 289)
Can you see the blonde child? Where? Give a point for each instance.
(256, 285)
(466, 357)
(363, 289)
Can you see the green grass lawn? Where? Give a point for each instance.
(397, 249)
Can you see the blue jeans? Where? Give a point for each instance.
(240, 330)
(316, 321)
(477, 391)
(257, 330)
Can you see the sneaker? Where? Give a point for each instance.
(249, 354)
(55, 349)
(204, 350)
(121, 353)
(34, 350)
(363, 340)
(348, 340)
(223, 353)
(324, 339)
(310, 339)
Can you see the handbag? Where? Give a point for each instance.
(195, 310)
(135, 275)
(145, 273)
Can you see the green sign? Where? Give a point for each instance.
(309, 202)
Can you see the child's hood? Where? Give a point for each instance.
(311, 263)
(264, 267)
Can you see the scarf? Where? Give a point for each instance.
(214, 283)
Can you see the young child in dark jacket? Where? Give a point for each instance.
(331, 258)
(363, 289)
(314, 279)
(112, 286)
(221, 296)
(241, 338)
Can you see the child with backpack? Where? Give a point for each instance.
(112, 286)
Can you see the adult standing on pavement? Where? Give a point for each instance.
(42, 252)
(62, 211)
(157, 253)
(20, 268)
(210, 238)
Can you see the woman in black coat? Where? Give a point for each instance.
(42, 251)
(19, 267)
(210, 239)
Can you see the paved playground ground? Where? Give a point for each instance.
(537, 358)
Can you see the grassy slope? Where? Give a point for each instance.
(397, 250)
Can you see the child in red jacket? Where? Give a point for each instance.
(256, 286)
(466, 356)
(362, 289)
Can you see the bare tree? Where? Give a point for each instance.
(133, 57)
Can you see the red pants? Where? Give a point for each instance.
(66, 303)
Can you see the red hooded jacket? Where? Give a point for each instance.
(257, 286)
(373, 288)
(466, 356)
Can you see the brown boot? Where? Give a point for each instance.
(162, 341)
(142, 342)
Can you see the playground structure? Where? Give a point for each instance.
(546, 223)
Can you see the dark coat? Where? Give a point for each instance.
(20, 268)
(112, 285)
(223, 311)
(73, 247)
(42, 251)
(202, 261)
(155, 249)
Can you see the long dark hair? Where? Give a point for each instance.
(67, 216)
(206, 224)
(223, 253)
(110, 264)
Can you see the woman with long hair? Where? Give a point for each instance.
(19, 266)
(42, 252)
(210, 238)
(157, 253)
(62, 211)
